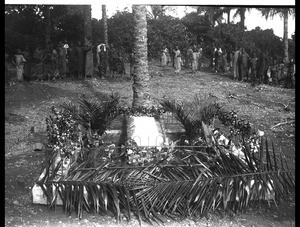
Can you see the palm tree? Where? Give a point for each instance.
(241, 11)
(143, 129)
(227, 10)
(88, 39)
(104, 17)
(213, 13)
(283, 13)
(141, 77)
(48, 25)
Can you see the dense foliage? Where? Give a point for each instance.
(26, 25)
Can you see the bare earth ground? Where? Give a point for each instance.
(28, 104)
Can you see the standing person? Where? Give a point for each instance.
(262, 67)
(131, 61)
(178, 61)
(54, 62)
(66, 47)
(199, 59)
(89, 67)
(72, 60)
(253, 69)
(27, 65)
(195, 57)
(163, 59)
(213, 60)
(290, 80)
(224, 61)
(168, 56)
(19, 60)
(236, 57)
(189, 58)
(218, 59)
(62, 60)
(244, 64)
(274, 70)
(173, 53)
(47, 63)
(229, 59)
(39, 64)
(112, 59)
(97, 52)
(102, 60)
(79, 53)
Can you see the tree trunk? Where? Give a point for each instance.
(141, 77)
(143, 129)
(104, 18)
(48, 26)
(285, 37)
(242, 14)
(228, 16)
(210, 17)
(88, 40)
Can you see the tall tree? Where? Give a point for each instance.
(213, 13)
(241, 11)
(283, 13)
(88, 40)
(104, 18)
(141, 79)
(227, 10)
(48, 25)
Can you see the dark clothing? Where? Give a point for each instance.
(218, 58)
(102, 64)
(79, 53)
(262, 67)
(253, 67)
(236, 62)
(244, 60)
(72, 61)
(27, 65)
(173, 58)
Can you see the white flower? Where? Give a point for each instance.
(260, 133)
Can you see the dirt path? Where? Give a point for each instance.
(28, 104)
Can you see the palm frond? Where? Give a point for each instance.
(184, 117)
(173, 189)
(93, 114)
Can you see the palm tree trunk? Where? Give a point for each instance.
(141, 77)
(88, 40)
(285, 37)
(242, 14)
(228, 16)
(48, 28)
(104, 18)
(143, 129)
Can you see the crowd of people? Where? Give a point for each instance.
(192, 60)
(261, 69)
(76, 61)
(53, 62)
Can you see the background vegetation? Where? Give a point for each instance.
(33, 24)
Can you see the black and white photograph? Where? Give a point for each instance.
(139, 113)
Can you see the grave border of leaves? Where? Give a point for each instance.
(128, 196)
